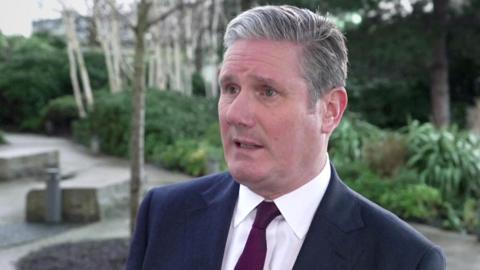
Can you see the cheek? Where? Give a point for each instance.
(295, 137)
(222, 117)
(285, 138)
(223, 130)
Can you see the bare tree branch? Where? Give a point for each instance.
(170, 11)
(120, 15)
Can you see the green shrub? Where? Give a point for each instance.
(354, 171)
(82, 132)
(370, 185)
(109, 122)
(446, 159)
(2, 139)
(451, 217)
(180, 131)
(386, 155)
(401, 194)
(193, 156)
(349, 138)
(96, 67)
(412, 202)
(212, 135)
(32, 72)
(171, 116)
(473, 117)
(387, 102)
(190, 156)
(59, 114)
(471, 215)
(185, 155)
(198, 85)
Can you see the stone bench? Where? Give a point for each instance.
(26, 163)
(88, 197)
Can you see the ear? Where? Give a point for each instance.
(334, 104)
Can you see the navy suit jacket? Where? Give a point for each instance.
(185, 226)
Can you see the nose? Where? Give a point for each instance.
(241, 110)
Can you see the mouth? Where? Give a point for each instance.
(245, 144)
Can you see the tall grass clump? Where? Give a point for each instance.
(447, 159)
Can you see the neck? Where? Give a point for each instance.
(299, 181)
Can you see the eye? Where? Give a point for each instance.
(269, 92)
(231, 89)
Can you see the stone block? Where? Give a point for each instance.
(18, 164)
(83, 201)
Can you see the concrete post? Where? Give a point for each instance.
(53, 196)
(95, 144)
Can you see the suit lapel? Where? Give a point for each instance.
(332, 239)
(208, 223)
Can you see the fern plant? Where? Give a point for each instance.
(445, 158)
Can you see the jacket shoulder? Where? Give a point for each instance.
(188, 191)
(394, 240)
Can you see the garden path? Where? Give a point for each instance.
(18, 238)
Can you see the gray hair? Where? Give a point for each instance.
(324, 59)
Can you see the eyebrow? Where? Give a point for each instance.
(260, 79)
(225, 78)
(263, 80)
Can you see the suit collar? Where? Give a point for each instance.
(208, 222)
(223, 190)
(340, 206)
(331, 242)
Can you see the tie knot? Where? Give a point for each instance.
(266, 212)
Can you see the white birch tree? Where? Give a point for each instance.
(216, 20)
(144, 22)
(108, 34)
(75, 57)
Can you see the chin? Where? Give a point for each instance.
(247, 175)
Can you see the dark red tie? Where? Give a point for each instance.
(255, 250)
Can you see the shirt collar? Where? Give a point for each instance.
(297, 207)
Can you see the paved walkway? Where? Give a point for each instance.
(18, 238)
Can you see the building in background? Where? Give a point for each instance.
(83, 24)
(85, 30)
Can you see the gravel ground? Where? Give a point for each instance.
(106, 255)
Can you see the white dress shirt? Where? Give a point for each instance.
(286, 233)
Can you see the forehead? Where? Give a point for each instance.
(261, 58)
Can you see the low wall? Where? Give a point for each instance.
(83, 200)
(16, 164)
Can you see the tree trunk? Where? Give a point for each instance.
(108, 61)
(77, 93)
(151, 71)
(85, 79)
(439, 88)
(74, 78)
(106, 22)
(138, 103)
(188, 51)
(198, 52)
(177, 62)
(103, 39)
(138, 114)
(159, 68)
(116, 51)
(75, 45)
(217, 10)
(170, 66)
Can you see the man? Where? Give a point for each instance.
(281, 205)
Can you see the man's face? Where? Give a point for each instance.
(273, 140)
